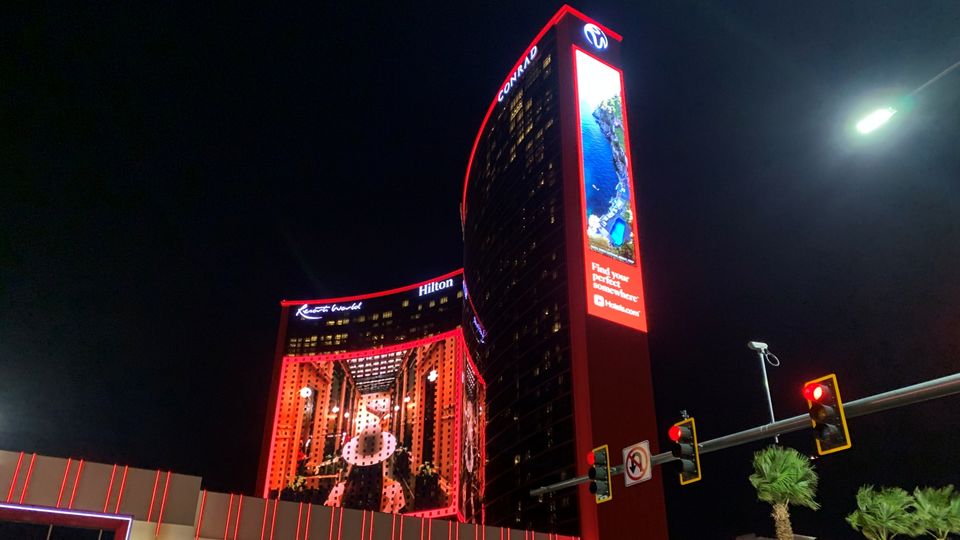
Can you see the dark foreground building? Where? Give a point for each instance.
(376, 405)
(554, 290)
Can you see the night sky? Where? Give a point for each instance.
(169, 175)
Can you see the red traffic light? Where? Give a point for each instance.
(675, 433)
(590, 458)
(815, 392)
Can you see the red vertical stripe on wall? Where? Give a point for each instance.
(273, 521)
(153, 496)
(263, 525)
(76, 482)
(123, 484)
(203, 504)
(226, 522)
(236, 525)
(16, 475)
(296, 535)
(63, 483)
(26, 480)
(306, 533)
(106, 500)
(163, 503)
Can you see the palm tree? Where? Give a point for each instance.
(937, 511)
(783, 476)
(883, 514)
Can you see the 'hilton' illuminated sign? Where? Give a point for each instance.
(435, 286)
(317, 312)
(527, 60)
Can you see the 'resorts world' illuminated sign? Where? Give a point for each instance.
(308, 312)
(611, 257)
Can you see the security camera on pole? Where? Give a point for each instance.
(763, 351)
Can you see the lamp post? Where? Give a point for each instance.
(881, 116)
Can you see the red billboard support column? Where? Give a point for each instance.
(609, 346)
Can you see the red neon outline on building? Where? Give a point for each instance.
(273, 521)
(123, 484)
(153, 495)
(289, 303)
(263, 525)
(226, 522)
(299, 517)
(163, 502)
(26, 480)
(306, 533)
(63, 482)
(203, 504)
(106, 500)
(16, 476)
(76, 482)
(236, 525)
(565, 10)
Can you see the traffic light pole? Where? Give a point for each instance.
(908, 395)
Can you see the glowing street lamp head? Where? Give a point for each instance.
(874, 120)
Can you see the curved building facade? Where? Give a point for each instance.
(376, 404)
(554, 300)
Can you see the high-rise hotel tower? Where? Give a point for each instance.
(554, 294)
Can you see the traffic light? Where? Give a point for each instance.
(684, 436)
(599, 473)
(826, 414)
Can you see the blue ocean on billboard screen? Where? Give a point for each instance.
(600, 178)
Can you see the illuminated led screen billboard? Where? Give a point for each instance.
(395, 429)
(611, 254)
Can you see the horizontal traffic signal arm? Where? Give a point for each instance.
(907, 395)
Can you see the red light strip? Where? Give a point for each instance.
(16, 475)
(372, 514)
(163, 502)
(401, 527)
(226, 522)
(493, 103)
(273, 521)
(299, 516)
(388, 292)
(306, 532)
(421, 528)
(393, 525)
(363, 523)
(26, 480)
(263, 526)
(153, 496)
(123, 484)
(203, 504)
(106, 499)
(236, 525)
(340, 526)
(63, 483)
(76, 483)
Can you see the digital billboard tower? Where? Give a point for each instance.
(376, 405)
(554, 293)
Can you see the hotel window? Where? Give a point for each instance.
(387, 314)
(405, 303)
(444, 300)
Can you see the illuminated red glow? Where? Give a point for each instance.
(76, 482)
(675, 433)
(591, 459)
(203, 505)
(63, 482)
(123, 484)
(405, 288)
(565, 10)
(153, 496)
(163, 502)
(106, 500)
(26, 481)
(16, 475)
(814, 392)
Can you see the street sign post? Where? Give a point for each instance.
(637, 466)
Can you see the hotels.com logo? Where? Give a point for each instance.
(595, 36)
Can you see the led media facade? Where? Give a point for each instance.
(377, 405)
(610, 250)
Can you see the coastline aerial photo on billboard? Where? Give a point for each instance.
(395, 429)
(611, 255)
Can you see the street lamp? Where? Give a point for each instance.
(875, 119)
(879, 117)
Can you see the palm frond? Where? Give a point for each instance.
(784, 476)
